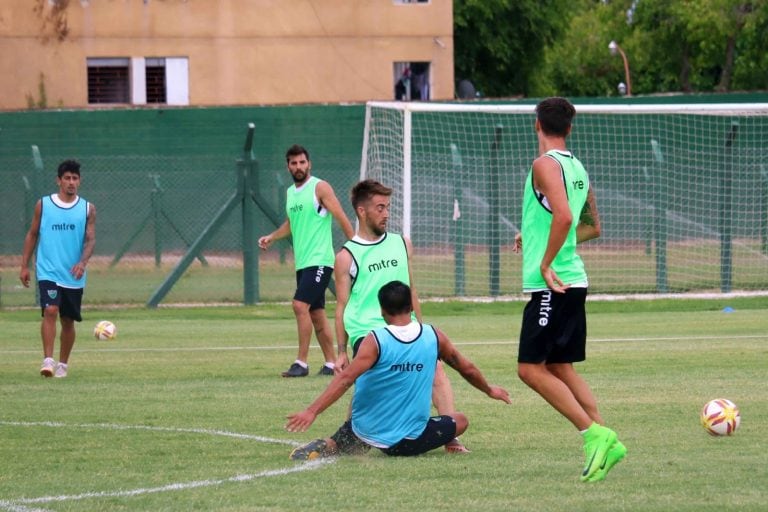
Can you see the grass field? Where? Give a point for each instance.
(185, 411)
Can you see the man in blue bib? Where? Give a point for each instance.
(64, 230)
(393, 373)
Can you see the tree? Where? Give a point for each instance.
(672, 46)
(705, 43)
(499, 43)
(578, 62)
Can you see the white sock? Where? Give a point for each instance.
(302, 364)
(330, 365)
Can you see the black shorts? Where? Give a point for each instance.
(347, 442)
(439, 431)
(68, 300)
(311, 283)
(554, 328)
(356, 346)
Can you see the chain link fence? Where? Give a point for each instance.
(153, 206)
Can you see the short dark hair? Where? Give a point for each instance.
(72, 166)
(395, 298)
(296, 150)
(555, 116)
(365, 190)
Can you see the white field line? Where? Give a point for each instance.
(21, 504)
(112, 426)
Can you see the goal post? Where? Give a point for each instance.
(681, 190)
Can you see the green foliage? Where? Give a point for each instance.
(498, 43)
(701, 43)
(42, 96)
(672, 46)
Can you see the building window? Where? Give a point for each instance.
(155, 80)
(412, 81)
(108, 80)
(139, 80)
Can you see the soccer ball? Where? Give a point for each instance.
(720, 417)
(105, 330)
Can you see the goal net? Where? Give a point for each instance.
(682, 192)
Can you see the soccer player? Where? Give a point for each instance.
(393, 371)
(559, 211)
(63, 228)
(310, 204)
(364, 264)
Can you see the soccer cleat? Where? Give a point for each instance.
(455, 446)
(617, 452)
(46, 370)
(325, 371)
(61, 371)
(312, 450)
(597, 441)
(296, 370)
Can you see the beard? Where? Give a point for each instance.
(299, 177)
(379, 230)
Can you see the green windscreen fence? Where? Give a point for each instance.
(683, 197)
(157, 178)
(682, 193)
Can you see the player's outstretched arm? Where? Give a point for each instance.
(366, 357)
(471, 373)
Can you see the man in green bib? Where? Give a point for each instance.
(366, 262)
(310, 204)
(559, 211)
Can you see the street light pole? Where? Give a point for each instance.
(615, 48)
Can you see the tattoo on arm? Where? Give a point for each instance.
(587, 217)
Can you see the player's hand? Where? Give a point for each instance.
(518, 246)
(265, 242)
(77, 270)
(300, 421)
(554, 282)
(342, 361)
(24, 277)
(499, 393)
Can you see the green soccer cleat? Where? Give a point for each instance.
(597, 441)
(617, 452)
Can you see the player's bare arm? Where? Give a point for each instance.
(589, 220)
(330, 202)
(30, 241)
(341, 268)
(366, 357)
(548, 180)
(282, 232)
(414, 295)
(78, 269)
(471, 373)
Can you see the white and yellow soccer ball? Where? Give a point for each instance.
(105, 330)
(720, 417)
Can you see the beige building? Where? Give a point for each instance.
(85, 53)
